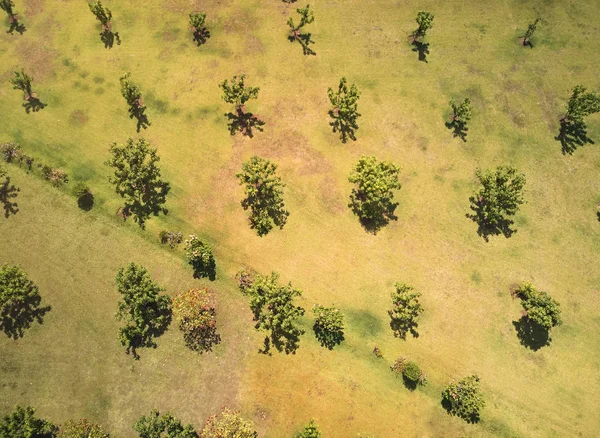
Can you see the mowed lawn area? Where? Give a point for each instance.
(73, 365)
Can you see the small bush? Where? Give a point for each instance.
(329, 326)
(81, 429)
(57, 177)
(200, 256)
(377, 352)
(411, 372)
(195, 313)
(85, 198)
(245, 278)
(171, 238)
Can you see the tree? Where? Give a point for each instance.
(133, 96)
(22, 81)
(237, 93)
(345, 110)
(104, 16)
(19, 302)
(425, 21)
(311, 430)
(166, 425)
(81, 429)
(171, 238)
(461, 114)
(137, 180)
(573, 130)
(198, 25)
(201, 258)
(195, 315)
(8, 193)
(372, 198)
(13, 19)
(263, 192)
(499, 198)
(542, 313)
(274, 312)
(229, 424)
(464, 399)
(329, 326)
(296, 33)
(405, 311)
(22, 423)
(146, 313)
(529, 33)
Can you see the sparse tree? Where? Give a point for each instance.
(311, 430)
(228, 424)
(195, 314)
(274, 312)
(425, 22)
(56, 177)
(198, 26)
(133, 96)
(529, 33)
(104, 16)
(22, 81)
(8, 194)
(329, 325)
(236, 92)
(166, 425)
(81, 429)
(372, 198)
(13, 19)
(464, 399)
(22, 423)
(296, 31)
(345, 110)
(405, 311)
(461, 114)
(200, 257)
(263, 191)
(147, 314)
(497, 200)
(573, 130)
(137, 179)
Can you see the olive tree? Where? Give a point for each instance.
(329, 326)
(137, 179)
(464, 399)
(497, 200)
(104, 16)
(345, 110)
(461, 114)
(228, 424)
(146, 313)
(372, 198)
(237, 93)
(22, 81)
(405, 311)
(296, 31)
(22, 423)
(200, 257)
(157, 425)
(195, 314)
(198, 26)
(133, 97)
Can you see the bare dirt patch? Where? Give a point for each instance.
(78, 118)
(34, 7)
(37, 59)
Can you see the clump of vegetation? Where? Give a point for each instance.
(198, 26)
(228, 423)
(22, 81)
(275, 313)
(411, 373)
(497, 200)
(526, 39)
(236, 92)
(405, 311)
(200, 257)
(573, 130)
(147, 314)
(329, 326)
(171, 238)
(81, 429)
(461, 114)
(137, 179)
(263, 191)
(20, 302)
(22, 422)
(542, 314)
(245, 277)
(8, 193)
(345, 110)
(425, 21)
(464, 399)
(195, 314)
(12, 153)
(56, 177)
(104, 16)
(297, 33)
(311, 430)
(372, 200)
(85, 197)
(13, 19)
(133, 97)
(378, 353)
(157, 425)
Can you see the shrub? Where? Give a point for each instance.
(85, 198)
(81, 429)
(171, 238)
(200, 257)
(411, 372)
(329, 326)
(245, 278)
(194, 313)
(229, 424)
(464, 399)
(166, 425)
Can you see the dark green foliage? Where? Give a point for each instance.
(13, 19)
(22, 81)
(461, 114)
(19, 302)
(137, 180)
(499, 198)
(274, 312)
(405, 311)
(22, 423)
(425, 21)
(200, 257)
(329, 326)
(133, 97)
(81, 429)
(411, 373)
(296, 31)
(8, 193)
(529, 33)
(263, 192)
(198, 25)
(104, 16)
(237, 93)
(543, 313)
(146, 313)
(573, 130)
(464, 399)
(85, 197)
(166, 425)
(345, 110)
(171, 238)
(372, 199)
(311, 430)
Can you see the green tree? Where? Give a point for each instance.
(166, 425)
(8, 194)
(311, 430)
(229, 424)
(296, 31)
(22, 81)
(263, 192)
(405, 311)
(542, 314)
(200, 257)
(372, 199)
(195, 314)
(198, 25)
(19, 302)
(104, 16)
(236, 92)
(464, 399)
(137, 180)
(461, 114)
(81, 429)
(274, 312)
(345, 110)
(329, 326)
(13, 19)
(529, 33)
(573, 130)
(147, 314)
(425, 21)
(133, 97)
(22, 423)
(498, 199)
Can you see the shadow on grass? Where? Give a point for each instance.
(328, 339)
(531, 334)
(243, 122)
(422, 49)
(459, 129)
(572, 135)
(486, 229)
(109, 38)
(16, 26)
(18, 317)
(201, 35)
(86, 201)
(8, 192)
(33, 104)
(367, 323)
(473, 418)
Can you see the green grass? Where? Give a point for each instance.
(73, 365)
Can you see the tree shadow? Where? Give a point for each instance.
(422, 49)
(15, 25)
(202, 270)
(459, 129)
(109, 38)
(374, 225)
(328, 339)
(33, 104)
(486, 229)
(345, 128)
(282, 341)
(201, 35)
(8, 192)
(572, 135)
(411, 385)
(243, 122)
(472, 418)
(402, 328)
(18, 317)
(531, 334)
(304, 39)
(86, 201)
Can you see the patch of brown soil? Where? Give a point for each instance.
(330, 196)
(254, 45)
(33, 7)
(78, 118)
(37, 59)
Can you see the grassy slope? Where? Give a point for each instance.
(517, 94)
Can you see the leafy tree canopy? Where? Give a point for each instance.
(133, 97)
(296, 32)
(464, 399)
(236, 92)
(345, 110)
(200, 256)
(582, 104)
(103, 15)
(229, 424)
(22, 423)
(166, 425)
(425, 22)
(195, 314)
(541, 308)
(405, 311)
(198, 25)
(329, 326)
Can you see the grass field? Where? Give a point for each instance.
(73, 365)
